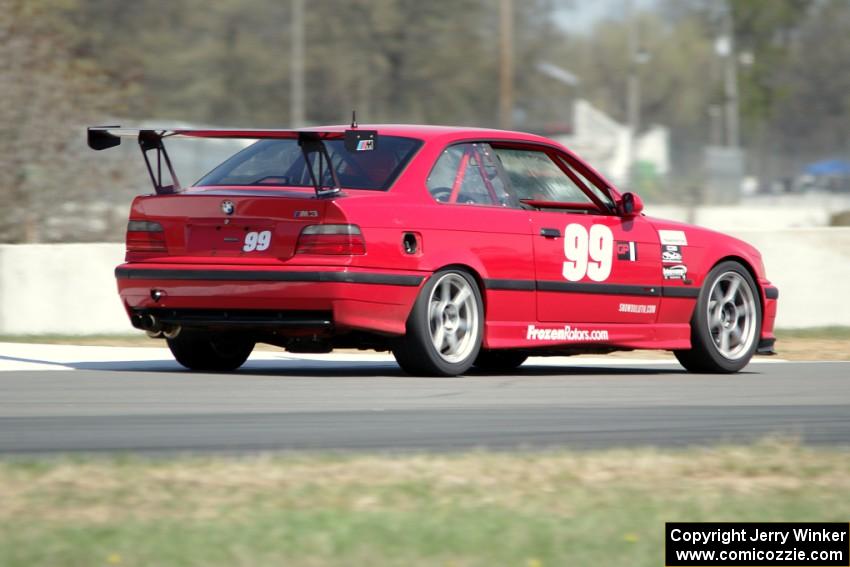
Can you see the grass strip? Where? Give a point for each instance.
(470, 509)
(836, 332)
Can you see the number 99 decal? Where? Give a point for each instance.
(258, 241)
(588, 253)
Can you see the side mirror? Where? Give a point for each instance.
(629, 205)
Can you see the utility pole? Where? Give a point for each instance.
(506, 64)
(633, 88)
(715, 115)
(296, 74)
(636, 57)
(730, 80)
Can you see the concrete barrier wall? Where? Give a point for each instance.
(61, 289)
(763, 212)
(70, 288)
(811, 268)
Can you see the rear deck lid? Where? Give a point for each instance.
(227, 223)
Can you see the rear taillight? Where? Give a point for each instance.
(331, 239)
(145, 236)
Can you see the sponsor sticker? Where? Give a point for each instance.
(365, 145)
(588, 253)
(675, 237)
(671, 254)
(637, 308)
(258, 241)
(627, 251)
(678, 272)
(565, 334)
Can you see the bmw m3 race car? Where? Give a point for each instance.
(450, 247)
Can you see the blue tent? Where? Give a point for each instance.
(836, 167)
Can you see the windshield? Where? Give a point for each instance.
(281, 162)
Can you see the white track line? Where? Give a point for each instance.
(31, 356)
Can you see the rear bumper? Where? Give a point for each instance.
(232, 295)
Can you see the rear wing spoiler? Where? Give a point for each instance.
(105, 137)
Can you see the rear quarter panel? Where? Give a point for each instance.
(490, 242)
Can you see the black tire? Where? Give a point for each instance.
(706, 355)
(209, 352)
(416, 352)
(499, 360)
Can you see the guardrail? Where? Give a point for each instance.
(70, 288)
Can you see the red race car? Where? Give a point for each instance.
(451, 247)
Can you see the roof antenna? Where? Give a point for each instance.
(353, 118)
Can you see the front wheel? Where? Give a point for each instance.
(208, 352)
(726, 323)
(444, 329)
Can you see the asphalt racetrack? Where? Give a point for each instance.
(56, 399)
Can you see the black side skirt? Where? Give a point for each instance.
(766, 347)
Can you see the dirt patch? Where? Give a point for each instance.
(813, 349)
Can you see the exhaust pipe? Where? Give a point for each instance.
(150, 323)
(171, 331)
(166, 332)
(154, 327)
(145, 321)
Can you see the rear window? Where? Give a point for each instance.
(281, 162)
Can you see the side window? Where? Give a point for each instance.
(535, 176)
(468, 174)
(589, 184)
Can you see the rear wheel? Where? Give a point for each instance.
(499, 360)
(444, 329)
(209, 352)
(726, 323)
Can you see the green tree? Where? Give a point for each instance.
(49, 91)
(679, 78)
(764, 32)
(811, 120)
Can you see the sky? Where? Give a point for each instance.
(583, 14)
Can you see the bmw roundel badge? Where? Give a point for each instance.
(227, 207)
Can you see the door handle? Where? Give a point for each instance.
(550, 232)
